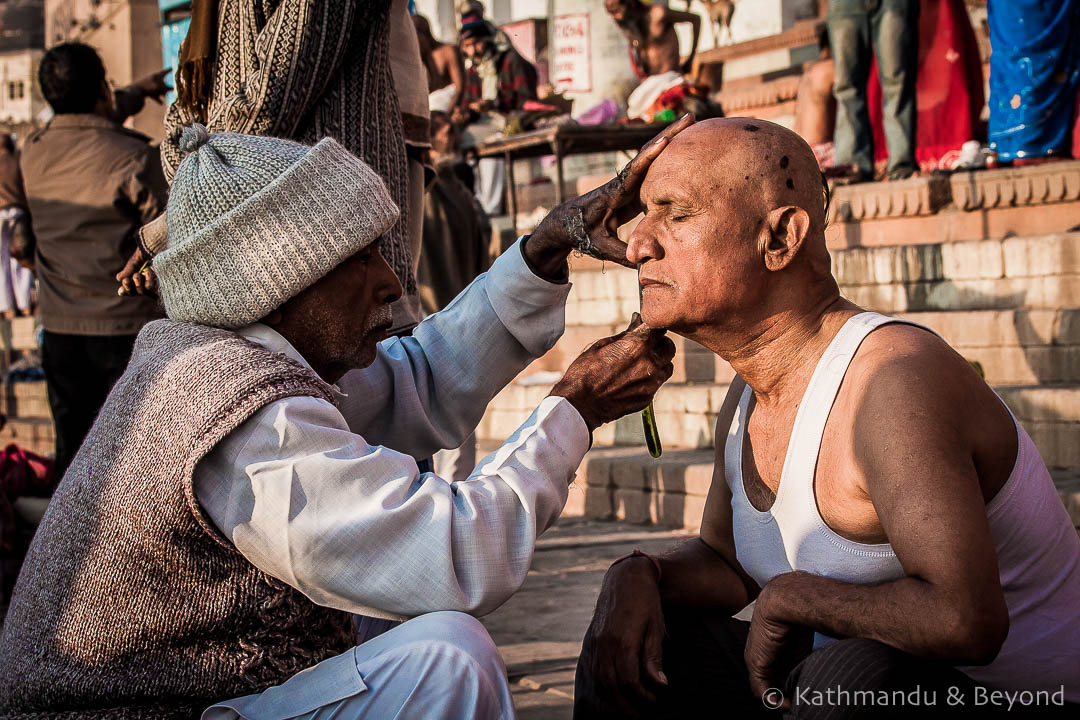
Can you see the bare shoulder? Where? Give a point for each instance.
(445, 53)
(903, 359)
(910, 380)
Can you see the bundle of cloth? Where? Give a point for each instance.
(669, 95)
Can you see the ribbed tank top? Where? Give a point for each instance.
(1037, 546)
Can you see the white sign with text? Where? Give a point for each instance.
(571, 62)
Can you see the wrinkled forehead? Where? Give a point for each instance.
(684, 169)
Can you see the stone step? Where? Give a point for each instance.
(18, 334)
(1015, 273)
(1014, 347)
(686, 417)
(33, 434)
(627, 484)
(26, 400)
(962, 206)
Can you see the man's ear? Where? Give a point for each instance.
(785, 229)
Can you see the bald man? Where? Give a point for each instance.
(892, 522)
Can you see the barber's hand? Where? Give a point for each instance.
(135, 279)
(623, 647)
(773, 648)
(602, 212)
(618, 375)
(154, 86)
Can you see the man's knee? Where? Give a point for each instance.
(819, 79)
(460, 646)
(457, 633)
(452, 658)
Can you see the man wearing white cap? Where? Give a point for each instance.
(233, 505)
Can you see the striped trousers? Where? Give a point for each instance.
(847, 679)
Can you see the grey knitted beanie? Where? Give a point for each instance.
(252, 221)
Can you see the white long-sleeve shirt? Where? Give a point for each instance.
(330, 501)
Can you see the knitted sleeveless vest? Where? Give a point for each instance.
(130, 603)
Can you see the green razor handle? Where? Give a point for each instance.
(652, 435)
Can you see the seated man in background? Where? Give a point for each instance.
(654, 52)
(815, 106)
(498, 81)
(442, 61)
(251, 479)
(889, 517)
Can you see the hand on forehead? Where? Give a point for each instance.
(753, 163)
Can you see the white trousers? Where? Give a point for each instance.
(440, 665)
(491, 184)
(15, 280)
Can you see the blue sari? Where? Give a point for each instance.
(1034, 72)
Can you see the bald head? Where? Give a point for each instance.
(735, 223)
(760, 164)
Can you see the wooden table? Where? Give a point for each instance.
(561, 141)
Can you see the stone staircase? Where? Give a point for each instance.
(1012, 303)
(25, 404)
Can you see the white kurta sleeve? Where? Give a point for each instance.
(427, 392)
(355, 526)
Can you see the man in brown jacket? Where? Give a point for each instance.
(90, 184)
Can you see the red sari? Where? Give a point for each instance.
(949, 87)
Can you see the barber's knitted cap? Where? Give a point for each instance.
(252, 221)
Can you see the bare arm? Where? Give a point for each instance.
(674, 17)
(457, 73)
(623, 646)
(911, 441)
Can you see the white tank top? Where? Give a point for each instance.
(1037, 546)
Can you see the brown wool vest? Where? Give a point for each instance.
(130, 603)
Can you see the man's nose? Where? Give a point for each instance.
(642, 244)
(388, 286)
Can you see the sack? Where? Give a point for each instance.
(22, 474)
